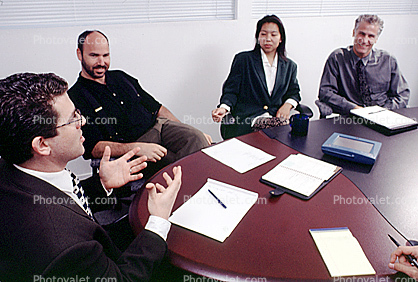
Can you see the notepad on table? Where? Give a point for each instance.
(203, 213)
(300, 175)
(238, 155)
(384, 119)
(341, 252)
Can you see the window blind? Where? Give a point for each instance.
(52, 13)
(314, 8)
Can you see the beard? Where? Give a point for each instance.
(90, 70)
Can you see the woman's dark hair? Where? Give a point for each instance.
(281, 50)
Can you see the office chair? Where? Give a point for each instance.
(303, 109)
(229, 120)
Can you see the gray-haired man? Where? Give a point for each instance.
(359, 75)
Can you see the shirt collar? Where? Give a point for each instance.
(266, 61)
(356, 58)
(85, 81)
(61, 179)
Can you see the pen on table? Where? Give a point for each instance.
(375, 112)
(219, 201)
(410, 258)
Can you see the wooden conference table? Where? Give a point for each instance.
(272, 241)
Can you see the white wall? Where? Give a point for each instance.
(183, 65)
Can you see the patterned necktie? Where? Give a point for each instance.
(79, 192)
(362, 83)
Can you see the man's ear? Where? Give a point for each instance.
(79, 54)
(40, 146)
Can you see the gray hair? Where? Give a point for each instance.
(371, 19)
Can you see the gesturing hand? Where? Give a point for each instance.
(114, 174)
(161, 199)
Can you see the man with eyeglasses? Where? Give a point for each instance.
(77, 119)
(47, 230)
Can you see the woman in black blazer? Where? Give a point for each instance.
(261, 87)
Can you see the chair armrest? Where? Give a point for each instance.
(303, 109)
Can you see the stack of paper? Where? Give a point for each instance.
(238, 155)
(204, 214)
(384, 117)
(341, 252)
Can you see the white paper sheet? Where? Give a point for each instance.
(203, 214)
(238, 155)
(384, 117)
(341, 252)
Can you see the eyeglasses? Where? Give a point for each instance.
(77, 119)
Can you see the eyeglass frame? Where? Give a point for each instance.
(77, 111)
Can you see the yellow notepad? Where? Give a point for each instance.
(341, 252)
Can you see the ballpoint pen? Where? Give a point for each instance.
(375, 112)
(219, 201)
(410, 258)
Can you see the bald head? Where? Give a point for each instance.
(82, 38)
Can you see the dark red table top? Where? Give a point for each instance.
(272, 241)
